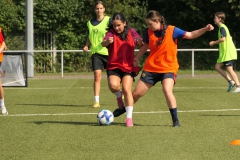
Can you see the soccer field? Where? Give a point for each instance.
(52, 119)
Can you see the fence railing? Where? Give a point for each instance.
(62, 53)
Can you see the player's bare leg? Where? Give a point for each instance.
(218, 68)
(96, 87)
(167, 87)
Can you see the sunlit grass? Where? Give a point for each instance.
(53, 119)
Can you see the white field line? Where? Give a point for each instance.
(152, 112)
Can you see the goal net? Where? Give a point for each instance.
(14, 70)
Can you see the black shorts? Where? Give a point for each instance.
(119, 73)
(228, 63)
(99, 61)
(153, 78)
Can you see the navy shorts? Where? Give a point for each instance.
(153, 78)
(99, 61)
(228, 63)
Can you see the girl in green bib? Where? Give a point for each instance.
(227, 53)
(97, 28)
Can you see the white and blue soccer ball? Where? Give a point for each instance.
(105, 117)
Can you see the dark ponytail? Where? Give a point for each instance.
(121, 17)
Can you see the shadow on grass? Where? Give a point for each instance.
(219, 115)
(74, 123)
(56, 105)
(93, 123)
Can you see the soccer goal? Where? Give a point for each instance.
(14, 69)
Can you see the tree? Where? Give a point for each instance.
(12, 22)
(194, 14)
(64, 22)
(68, 18)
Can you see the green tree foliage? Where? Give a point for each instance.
(63, 19)
(11, 18)
(12, 21)
(68, 18)
(61, 24)
(194, 14)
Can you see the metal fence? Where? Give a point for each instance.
(63, 51)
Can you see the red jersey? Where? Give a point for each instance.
(121, 54)
(1, 41)
(162, 57)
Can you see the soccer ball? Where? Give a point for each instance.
(105, 117)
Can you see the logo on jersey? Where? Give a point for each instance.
(143, 75)
(95, 30)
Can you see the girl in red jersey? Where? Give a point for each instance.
(2, 47)
(161, 64)
(121, 41)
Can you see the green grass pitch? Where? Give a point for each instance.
(52, 119)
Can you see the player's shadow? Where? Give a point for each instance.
(205, 115)
(56, 105)
(93, 123)
(72, 123)
(151, 125)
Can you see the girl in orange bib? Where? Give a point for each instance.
(161, 64)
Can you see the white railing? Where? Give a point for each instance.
(62, 52)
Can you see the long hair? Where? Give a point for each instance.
(154, 15)
(98, 2)
(121, 17)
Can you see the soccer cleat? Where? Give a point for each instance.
(120, 101)
(237, 90)
(129, 122)
(4, 111)
(231, 85)
(96, 105)
(176, 124)
(119, 112)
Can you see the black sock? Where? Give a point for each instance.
(174, 114)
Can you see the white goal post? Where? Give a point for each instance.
(13, 68)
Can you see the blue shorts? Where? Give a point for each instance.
(153, 78)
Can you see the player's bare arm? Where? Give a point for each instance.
(107, 42)
(141, 51)
(199, 32)
(217, 41)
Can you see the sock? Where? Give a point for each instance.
(2, 102)
(231, 82)
(129, 110)
(174, 114)
(118, 94)
(96, 98)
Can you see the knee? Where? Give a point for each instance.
(97, 77)
(114, 87)
(217, 67)
(168, 94)
(136, 96)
